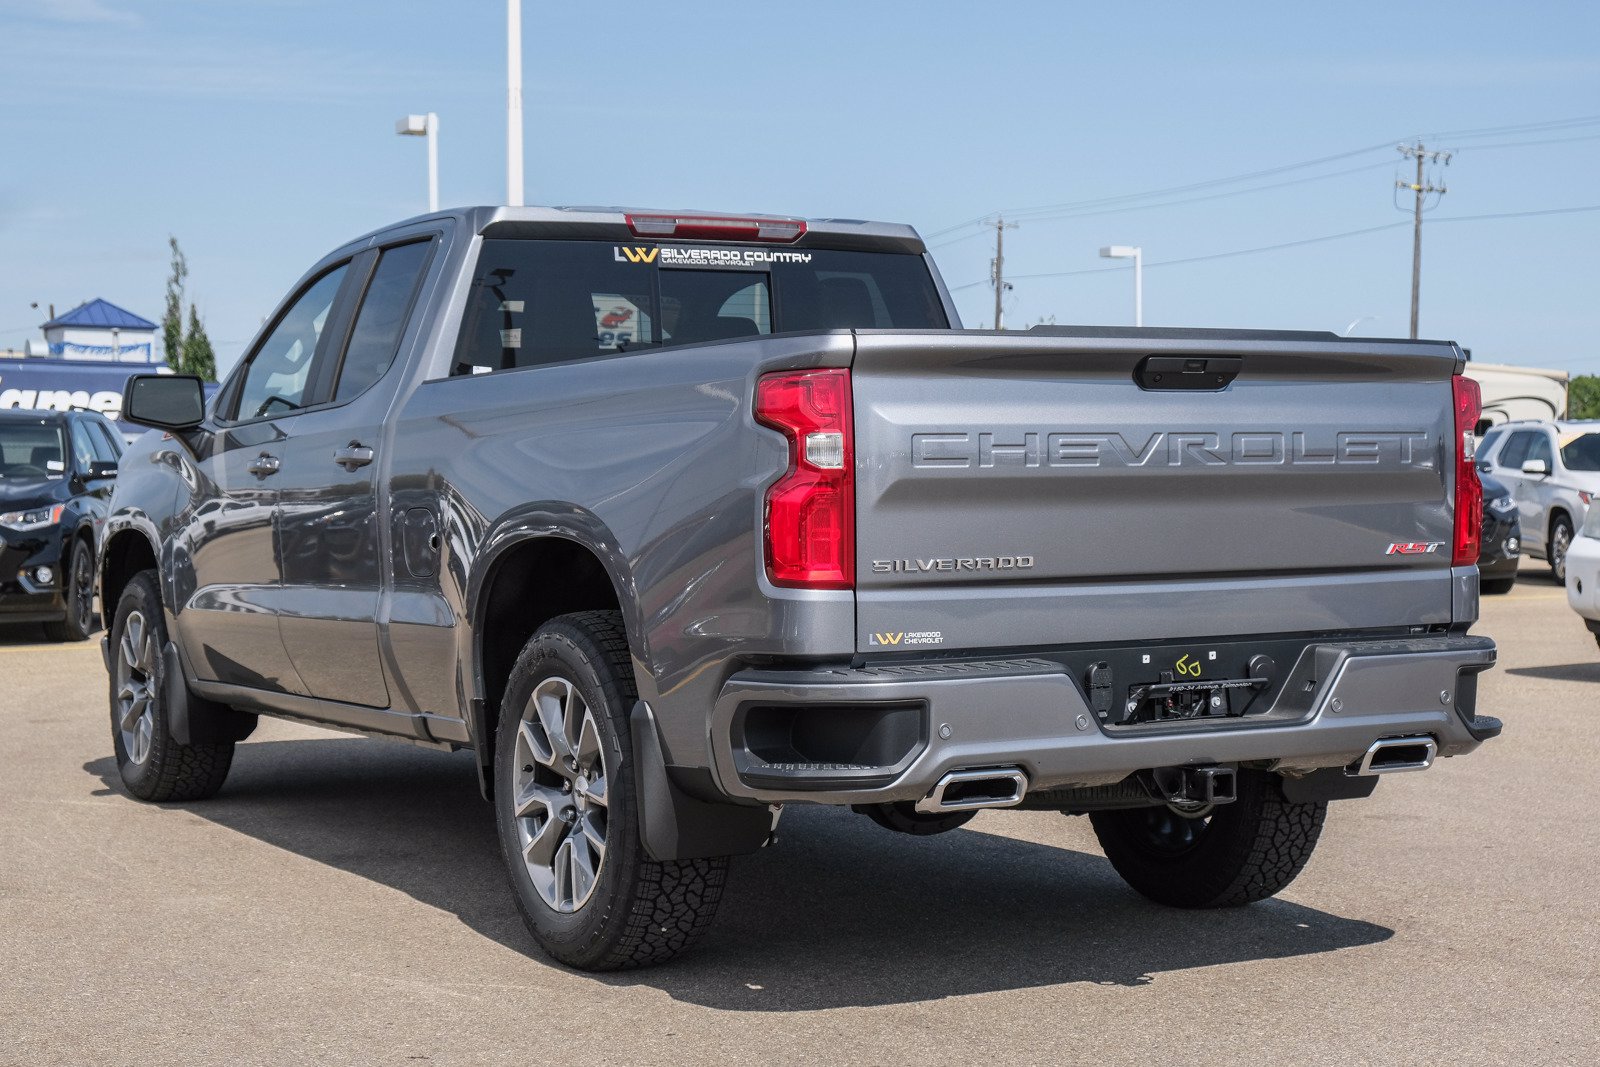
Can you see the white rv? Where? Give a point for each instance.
(1511, 393)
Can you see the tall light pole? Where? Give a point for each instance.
(514, 102)
(425, 126)
(1137, 255)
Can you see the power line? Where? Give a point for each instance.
(1209, 196)
(1521, 127)
(1243, 192)
(1174, 203)
(1292, 244)
(1551, 125)
(1170, 190)
(1526, 144)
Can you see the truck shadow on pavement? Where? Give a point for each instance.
(1561, 672)
(839, 913)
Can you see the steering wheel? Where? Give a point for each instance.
(266, 405)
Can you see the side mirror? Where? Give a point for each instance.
(102, 469)
(1536, 466)
(164, 401)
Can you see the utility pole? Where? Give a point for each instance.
(1421, 188)
(999, 269)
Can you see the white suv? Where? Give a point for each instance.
(1553, 469)
(1583, 573)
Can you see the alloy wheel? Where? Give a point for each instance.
(136, 718)
(559, 794)
(82, 589)
(1560, 541)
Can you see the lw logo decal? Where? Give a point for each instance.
(1188, 667)
(626, 254)
(1414, 548)
(908, 637)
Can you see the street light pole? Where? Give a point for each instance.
(425, 126)
(1138, 287)
(1137, 255)
(514, 102)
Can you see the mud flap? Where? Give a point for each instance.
(677, 826)
(194, 719)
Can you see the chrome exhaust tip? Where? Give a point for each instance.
(1394, 754)
(971, 790)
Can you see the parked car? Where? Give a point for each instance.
(1553, 469)
(1501, 550)
(801, 539)
(1583, 573)
(56, 472)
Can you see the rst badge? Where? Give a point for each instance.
(1414, 548)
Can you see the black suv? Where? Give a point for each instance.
(56, 473)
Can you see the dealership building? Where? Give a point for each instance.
(83, 362)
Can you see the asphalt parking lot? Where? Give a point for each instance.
(342, 901)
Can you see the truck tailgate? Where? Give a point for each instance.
(1038, 489)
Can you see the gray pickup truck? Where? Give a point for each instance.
(674, 519)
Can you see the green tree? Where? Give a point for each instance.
(172, 319)
(1583, 397)
(198, 355)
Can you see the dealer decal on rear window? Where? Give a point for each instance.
(673, 256)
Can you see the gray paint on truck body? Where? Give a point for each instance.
(654, 463)
(1265, 507)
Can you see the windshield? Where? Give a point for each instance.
(1581, 453)
(31, 451)
(538, 301)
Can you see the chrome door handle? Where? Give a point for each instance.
(352, 456)
(263, 465)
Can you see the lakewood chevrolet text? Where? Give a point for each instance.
(675, 519)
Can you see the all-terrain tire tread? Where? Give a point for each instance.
(1261, 843)
(673, 902)
(180, 772)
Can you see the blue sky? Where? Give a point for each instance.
(261, 134)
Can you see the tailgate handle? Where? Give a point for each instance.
(1204, 373)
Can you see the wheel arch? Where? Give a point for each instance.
(126, 552)
(1558, 511)
(536, 566)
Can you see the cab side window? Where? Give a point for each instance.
(382, 319)
(1540, 449)
(111, 442)
(279, 374)
(1515, 451)
(83, 452)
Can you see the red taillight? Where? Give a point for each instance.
(717, 227)
(1469, 491)
(811, 509)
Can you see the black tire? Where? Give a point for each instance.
(1496, 586)
(154, 766)
(1245, 851)
(903, 818)
(78, 592)
(1555, 550)
(637, 911)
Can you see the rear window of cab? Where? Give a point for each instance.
(536, 302)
